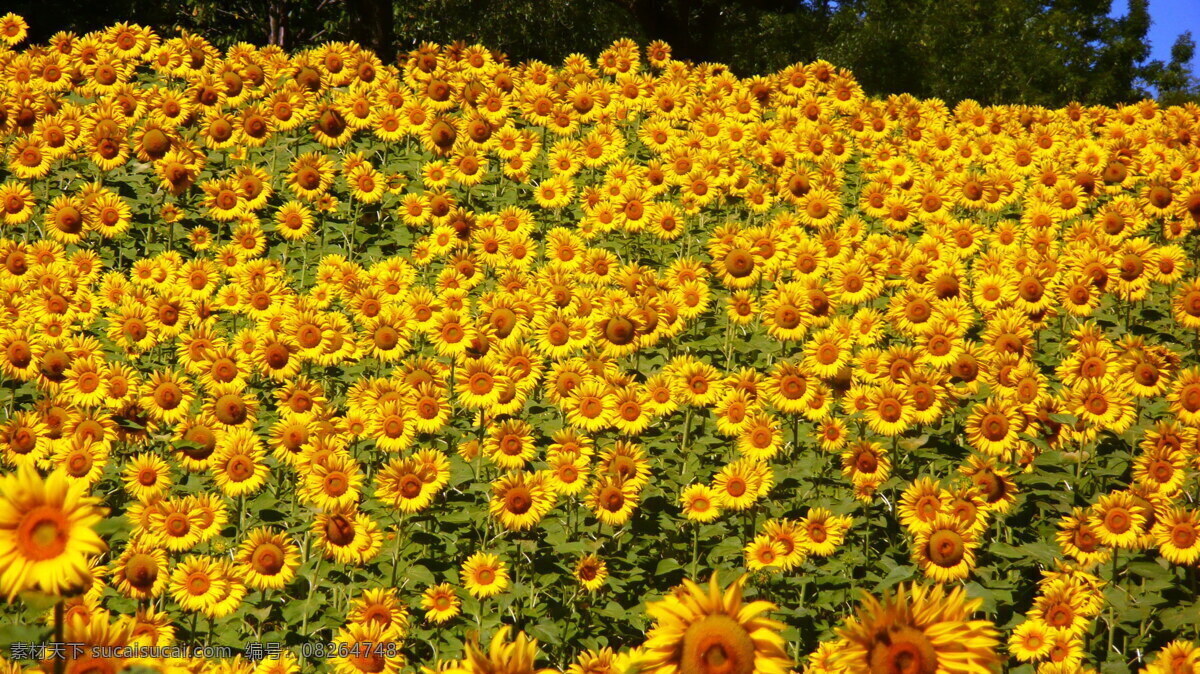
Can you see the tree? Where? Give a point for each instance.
(1043, 52)
(1001, 51)
(1175, 81)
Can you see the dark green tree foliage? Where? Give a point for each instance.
(1044, 52)
(994, 51)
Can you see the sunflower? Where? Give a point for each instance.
(1078, 539)
(98, 641)
(699, 503)
(520, 500)
(1177, 533)
(823, 531)
(149, 627)
(231, 405)
(946, 550)
(791, 538)
(211, 514)
(168, 396)
(141, 571)
(20, 349)
(348, 536)
(510, 444)
(698, 382)
(920, 504)
(333, 483)
(762, 438)
(632, 413)
(1102, 405)
(591, 572)
(591, 406)
(46, 533)
(788, 387)
(82, 458)
(1062, 607)
(195, 440)
(713, 631)
(733, 412)
(739, 485)
(392, 426)
(174, 524)
(825, 354)
(627, 461)
(484, 575)
(1030, 641)
(763, 553)
(25, 440)
(1178, 656)
(147, 477)
(612, 499)
(479, 384)
(993, 482)
(84, 382)
(13, 29)
(310, 175)
(406, 484)
(1066, 652)
(1162, 470)
(567, 473)
(367, 647)
(16, 202)
(29, 158)
(294, 221)
(503, 656)
(1185, 396)
(268, 559)
(441, 603)
(993, 427)
(198, 583)
(65, 219)
(890, 410)
(1118, 520)
(866, 464)
(238, 462)
(918, 629)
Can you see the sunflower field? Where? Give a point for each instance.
(310, 362)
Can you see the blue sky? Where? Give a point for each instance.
(1169, 19)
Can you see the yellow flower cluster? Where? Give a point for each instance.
(318, 326)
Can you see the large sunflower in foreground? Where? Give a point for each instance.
(504, 656)
(918, 630)
(46, 534)
(710, 632)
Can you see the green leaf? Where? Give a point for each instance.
(666, 565)
(418, 575)
(1149, 570)
(1004, 550)
(547, 632)
(896, 575)
(1180, 617)
(1041, 551)
(730, 547)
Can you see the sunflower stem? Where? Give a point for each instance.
(687, 427)
(60, 662)
(1112, 623)
(867, 530)
(316, 574)
(396, 551)
(695, 548)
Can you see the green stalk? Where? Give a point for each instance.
(60, 660)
